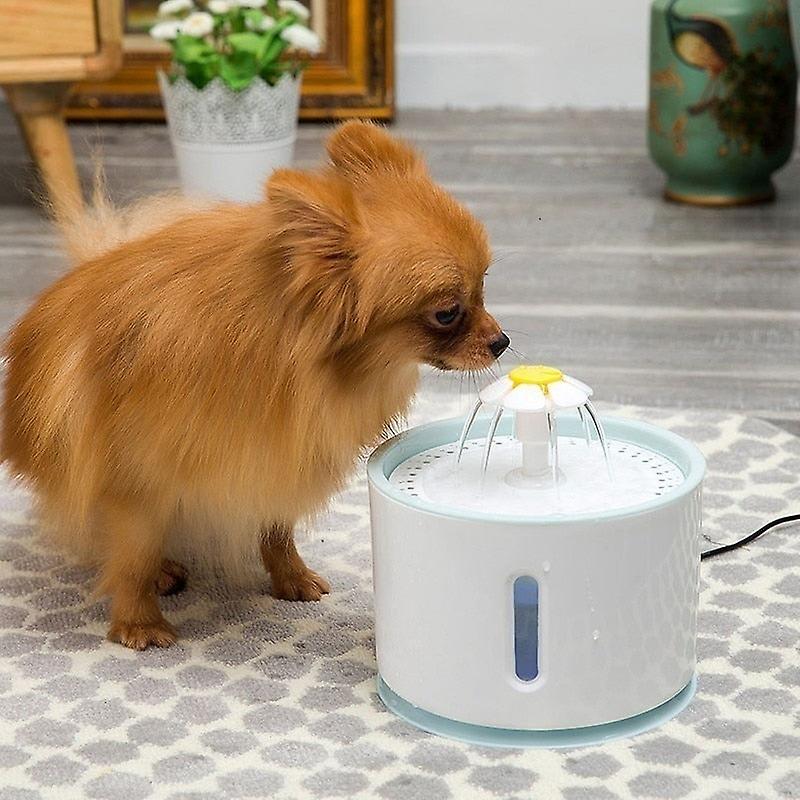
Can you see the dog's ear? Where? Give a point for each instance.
(314, 218)
(314, 213)
(359, 149)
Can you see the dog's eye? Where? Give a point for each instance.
(447, 316)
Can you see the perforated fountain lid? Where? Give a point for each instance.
(442, 436)
(638, 474)
(537, 469)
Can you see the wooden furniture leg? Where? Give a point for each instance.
(38, 107)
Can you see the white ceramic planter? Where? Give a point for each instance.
(611, 600)
(227, 143)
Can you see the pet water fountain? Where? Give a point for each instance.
(536, 570)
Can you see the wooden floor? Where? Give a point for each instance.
(651, 302)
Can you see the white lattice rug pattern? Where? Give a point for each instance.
(263, 698)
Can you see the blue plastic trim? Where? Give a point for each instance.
(550, 739)
(435, 434)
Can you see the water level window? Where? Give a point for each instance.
(526, 628)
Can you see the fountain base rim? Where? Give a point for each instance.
(539, 738)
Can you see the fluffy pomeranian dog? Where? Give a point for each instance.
(221, 369)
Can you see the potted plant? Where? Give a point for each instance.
(232, 93)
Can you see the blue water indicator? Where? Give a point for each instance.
(526, 628)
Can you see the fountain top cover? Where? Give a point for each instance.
(543, 467)
(536, 388)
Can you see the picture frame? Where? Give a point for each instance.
(352, 77)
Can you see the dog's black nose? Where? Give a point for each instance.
(498, 345)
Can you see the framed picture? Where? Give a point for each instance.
(351, 77)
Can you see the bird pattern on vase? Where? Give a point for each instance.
(701, 43)
(747, 94)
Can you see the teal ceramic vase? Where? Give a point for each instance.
(794, 19)
(722, 98)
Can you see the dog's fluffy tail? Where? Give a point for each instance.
(88, 232)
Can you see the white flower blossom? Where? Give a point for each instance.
(219, 6)
(266, 23)
(294, 7)
(536, 388)
(198, 24)
(166, 31)
(301, 38)
(170, 7)
(251, 3)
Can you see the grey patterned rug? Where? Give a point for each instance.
(263, 698)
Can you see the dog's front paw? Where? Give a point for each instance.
(140, 636)
(306, 585)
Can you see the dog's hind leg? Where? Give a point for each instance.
(171, 579)
(291, 578)
(132, 562)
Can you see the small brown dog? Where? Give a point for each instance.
(225, 366)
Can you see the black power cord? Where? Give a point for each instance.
(725, 548)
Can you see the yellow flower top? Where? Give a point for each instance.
(537, 375)
(535, 387)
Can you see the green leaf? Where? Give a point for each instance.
(271, 73)
(200, 61)
(253, 16)
(244, 61)
(236, 16)
(283, 22)
(274, 50)
(187, 48)
(238, 69)
(275, 44)
(248, 42)
(202, 72)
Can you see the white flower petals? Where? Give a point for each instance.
(302, 38)
(565, 395)
(526, 397)
(251, 3)
(579, 385)
(294, 7)
(219, 6)
(198, 24)
(166, 31)
(266, 23)
(496, 391)
(170, 7)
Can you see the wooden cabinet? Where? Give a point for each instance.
(46, 46)
(35, 28)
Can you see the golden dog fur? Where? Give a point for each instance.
(220, 368)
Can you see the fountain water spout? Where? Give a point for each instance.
(534, 394)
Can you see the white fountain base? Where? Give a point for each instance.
(499, 608)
